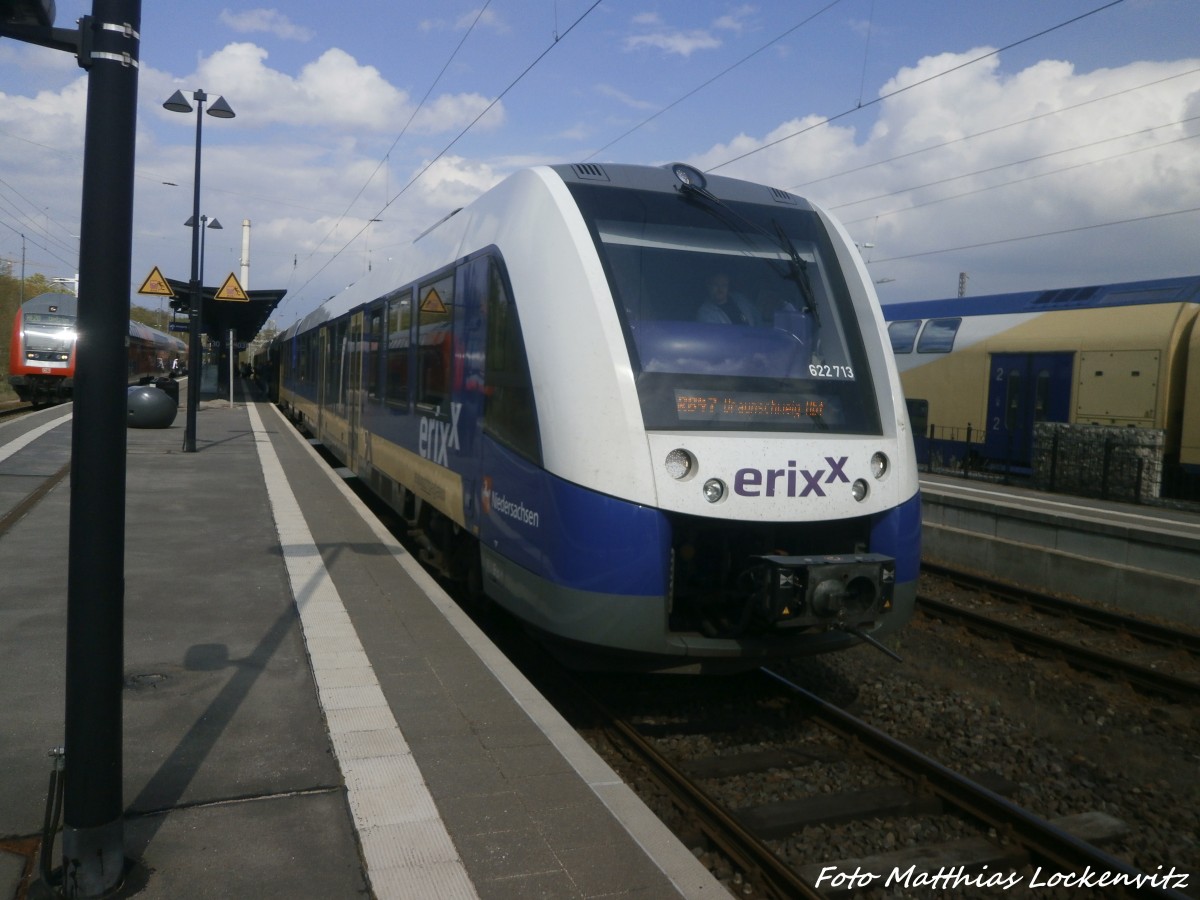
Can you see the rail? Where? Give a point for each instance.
(1041, 839)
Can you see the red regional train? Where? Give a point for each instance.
(41, 359)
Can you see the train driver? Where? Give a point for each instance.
(725, 306)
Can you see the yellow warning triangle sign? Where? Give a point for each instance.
(231, 290)
(432, 303)
(155, 284)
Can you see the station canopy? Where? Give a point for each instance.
(245, 317)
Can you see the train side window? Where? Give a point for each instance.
(399, 320)
(371, 344)
(1012, 401)
(938, 335)
(308, 357)
(904, 335)
(336, 366)
(509, 414)
(435, 342)
(1041, 396)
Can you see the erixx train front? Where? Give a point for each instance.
(654, 412)
(724, 477)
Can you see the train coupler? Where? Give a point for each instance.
(842, 591)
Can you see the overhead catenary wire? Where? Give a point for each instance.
(861, 105)
(915, 84)
(968, 137)
(29, 240)
(1016, 181)
(705, 84)
(1018, 162)
(862, 80)
(1029, 237)
(558, 38)
(28, 220)
(404, 129)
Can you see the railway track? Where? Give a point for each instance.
(762, 844)
(10, 515)
(14, 408)
(1058, 847)
(1151, 632)
(1016, 844)
(27, 483)
(1174, 667)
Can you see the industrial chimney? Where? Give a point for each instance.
(245, 255)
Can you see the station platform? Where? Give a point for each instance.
(306, 713)
(1139, 558)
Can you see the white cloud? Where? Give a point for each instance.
(269, 21)
(308, 141)
(451, 111)
(607, 90)
(578, 132)
(735, 19)
(1007, 182)
(334, 94)
(684, 43)
(454, 181)
(486, 19)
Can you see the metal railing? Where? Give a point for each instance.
(1105, 462)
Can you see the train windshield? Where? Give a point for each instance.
(48, 332)
(736, 315)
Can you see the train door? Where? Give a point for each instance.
(1025, 388)
(354, 397)
(322, 373)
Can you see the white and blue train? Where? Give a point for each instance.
(654, 415)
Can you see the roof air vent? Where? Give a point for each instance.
(783, 196)
(590, 171)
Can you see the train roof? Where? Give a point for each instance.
(403, 267)
(62, 303)
(68, 305)
(1185, 289)
(153, 335)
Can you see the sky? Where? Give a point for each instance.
(1027, 144)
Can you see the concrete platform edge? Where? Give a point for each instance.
(676, 862)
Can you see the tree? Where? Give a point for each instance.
(155, 318)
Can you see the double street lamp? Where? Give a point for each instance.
(221, 110)
(205, 222)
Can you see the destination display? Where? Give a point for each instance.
(746, 407)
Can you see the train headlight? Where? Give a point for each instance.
(879, 465)
(689, 176)
(714, 490)
(860, 490)
(680, 463)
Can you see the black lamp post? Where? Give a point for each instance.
(107, 44)
(205, 222)
(220, 109)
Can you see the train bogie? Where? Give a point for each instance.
(604, 448)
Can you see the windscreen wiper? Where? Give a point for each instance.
(694, 186)
(799, 271)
